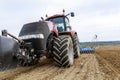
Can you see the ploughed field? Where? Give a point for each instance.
(104, 64)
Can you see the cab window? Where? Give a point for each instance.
(68, 28)
(59, 22)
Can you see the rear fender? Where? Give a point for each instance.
(71, 33)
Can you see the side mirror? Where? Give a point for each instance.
(72, 14)
(4, 32)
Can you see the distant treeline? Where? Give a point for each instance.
(100, 43)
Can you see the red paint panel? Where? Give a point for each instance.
(52, 27)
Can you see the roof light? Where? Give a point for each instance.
(63, 10)
(46, 15)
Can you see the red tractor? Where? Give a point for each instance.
(66, 45)
(52, 37)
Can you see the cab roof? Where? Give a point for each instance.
(56, 15)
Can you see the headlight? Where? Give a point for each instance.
(32, 36)
(32, 50)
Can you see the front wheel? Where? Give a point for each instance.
(49, 46)
(27, 59)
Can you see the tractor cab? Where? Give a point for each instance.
(61, 21)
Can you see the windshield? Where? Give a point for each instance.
(59, 22)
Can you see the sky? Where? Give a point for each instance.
(92, 17)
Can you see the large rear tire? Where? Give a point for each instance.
(63, 51)
(76, 46)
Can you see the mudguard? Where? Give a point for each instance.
(8, 50)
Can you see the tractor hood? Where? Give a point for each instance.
(36, 33)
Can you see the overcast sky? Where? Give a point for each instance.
(101, 17)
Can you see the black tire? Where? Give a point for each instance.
(24, 61)
(63, 51)
(76, 46)
(49, 46)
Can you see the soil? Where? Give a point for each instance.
(104, 64)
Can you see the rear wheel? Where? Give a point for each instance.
(76, 46)
(63, 51)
